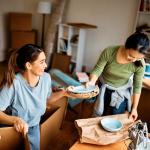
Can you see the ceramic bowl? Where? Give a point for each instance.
(111, 125)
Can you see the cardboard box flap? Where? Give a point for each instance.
(49, 112)
(10, 139)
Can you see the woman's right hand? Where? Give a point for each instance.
(21, 126)
(92, 81)
(89, 83)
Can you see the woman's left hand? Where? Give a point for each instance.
(133, 115)
(66, 94)
(62, 91)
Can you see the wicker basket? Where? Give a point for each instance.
(87, 95)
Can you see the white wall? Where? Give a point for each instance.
(114, 18)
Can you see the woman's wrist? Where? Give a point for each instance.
(63, 93)
(15, 119)
(10, 120)
(93, 78)
(134, 109)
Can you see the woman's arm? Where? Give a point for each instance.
(19, 124)
(146, 83)
(105, 56)
(56, 96)
(137, 86)
(6, 119)
(135, 101)
(92, 81)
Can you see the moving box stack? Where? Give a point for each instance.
(21, 31)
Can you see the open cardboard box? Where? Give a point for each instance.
(50, 126)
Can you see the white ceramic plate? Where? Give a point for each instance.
(111, 124)
(141, 146)
(81, 89)
(146, 73)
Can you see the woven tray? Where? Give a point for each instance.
(83, 95)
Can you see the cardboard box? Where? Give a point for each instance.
(20, 21)
(10, 139)
(19, 38)
(50, 126)
(61, 62)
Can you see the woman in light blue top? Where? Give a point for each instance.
(26, 93)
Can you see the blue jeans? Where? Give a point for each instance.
(109, 110)
(34, 137)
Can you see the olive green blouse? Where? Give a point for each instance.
(116, 74)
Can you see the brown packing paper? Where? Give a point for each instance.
(91, 131)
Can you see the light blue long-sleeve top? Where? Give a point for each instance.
(25, 101)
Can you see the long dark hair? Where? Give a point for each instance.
(18, 59)
(139, 42)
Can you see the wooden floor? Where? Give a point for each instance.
(66, 137)
(68, 134)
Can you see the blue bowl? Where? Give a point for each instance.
(111, 125)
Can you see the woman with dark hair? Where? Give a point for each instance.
(121, 70)
(26, 93)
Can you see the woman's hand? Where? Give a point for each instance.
(55, 96)
(89, 83)
(66, 94)
(133, 115)
(21, 126)
(92, 81)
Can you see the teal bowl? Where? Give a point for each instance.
(111, 125)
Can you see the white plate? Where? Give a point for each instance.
(141, 147)
(146, 73)
(111, 124)
(81, 89)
